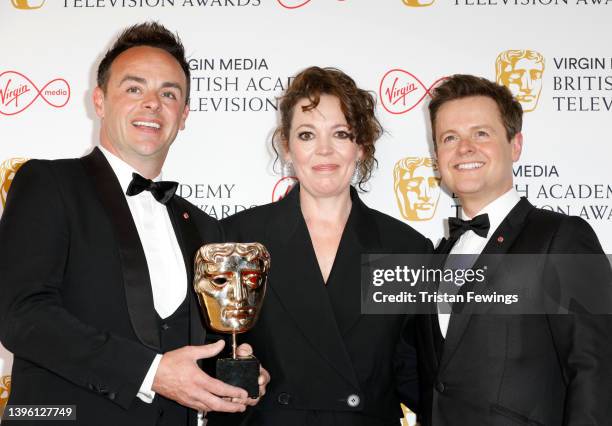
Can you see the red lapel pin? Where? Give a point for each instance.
(500, 239)
(185, 215)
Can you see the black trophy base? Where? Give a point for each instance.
(241, 372)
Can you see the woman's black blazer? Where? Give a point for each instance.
(321, 352)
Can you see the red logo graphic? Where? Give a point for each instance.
(401, 91)
(17, 92)
(294, 4)
(282, 187)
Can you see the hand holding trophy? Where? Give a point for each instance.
(230, 281)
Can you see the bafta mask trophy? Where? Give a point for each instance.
(230, 280)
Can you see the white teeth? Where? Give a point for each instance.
(146, 124)
(469, 166)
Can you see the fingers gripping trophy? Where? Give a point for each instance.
(230, 280)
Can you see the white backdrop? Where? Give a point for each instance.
(244, 51)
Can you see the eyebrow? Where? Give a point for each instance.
(335, 126)
(144, 81)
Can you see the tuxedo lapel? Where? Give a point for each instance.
(136, 280)
(189, 240)
(499, 243)
(305, 297)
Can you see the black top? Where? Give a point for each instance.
(323, 355)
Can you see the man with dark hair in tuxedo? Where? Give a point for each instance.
(479, 367)
(96, 260)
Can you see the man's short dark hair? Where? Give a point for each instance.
(150, 34)
(460, 86)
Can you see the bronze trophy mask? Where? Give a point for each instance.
(230, 281)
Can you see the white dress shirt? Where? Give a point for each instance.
(163, 254)
(472, 243)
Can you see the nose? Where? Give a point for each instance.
(465, 146)
(151, 102)
(526, 83)
(239, 291)
(324, 145)
(424, 191)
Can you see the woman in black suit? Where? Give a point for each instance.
(330, 365)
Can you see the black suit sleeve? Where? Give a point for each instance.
(35, 236)
(583, 341)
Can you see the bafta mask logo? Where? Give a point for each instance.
(8, 169)
(418, 3)
(28, 4)
(5, 390)
(417, 187)
(230, 280)
(521, 71)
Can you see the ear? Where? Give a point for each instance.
(359, 152)
(283, 145)
(98, 101)
(184, 117)
(517, 146)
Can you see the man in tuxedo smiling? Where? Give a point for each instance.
(96, 301)
(479, 368)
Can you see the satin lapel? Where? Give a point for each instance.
(296, 280)
(508, 230)
(360, 236)
(190, 241)
(136, 280)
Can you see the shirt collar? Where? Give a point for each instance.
(122, 170)
(498, 209)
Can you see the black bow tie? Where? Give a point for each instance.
(162, 191)
(480, 225)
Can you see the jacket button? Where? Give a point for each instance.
(440, 387)
(353, 401)
(283, 398)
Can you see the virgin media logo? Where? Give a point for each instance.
(401, 91)
(294, 4)
(282, 187)
(18, 92)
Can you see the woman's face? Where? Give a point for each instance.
(321, 149)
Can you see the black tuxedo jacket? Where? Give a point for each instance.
(323, 355)
(502, 370)
(76, 305)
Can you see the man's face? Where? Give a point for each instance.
(418, 193)
(524, 79)
(474, 155)
(232, 288)
(143, 107)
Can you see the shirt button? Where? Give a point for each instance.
(165, 326)
(353, 401)
(440, 387)
(283, 398)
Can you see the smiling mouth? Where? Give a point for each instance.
(146, 125)
(469, 166)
